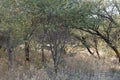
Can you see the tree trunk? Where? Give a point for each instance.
(56, 68)
(54, 57)
(110, 45)
(96, 46)
(116, 51)
(27, 56)
(10, 57)
(89, 50)
(42, 51)
(97, 52)
(84, 42)
(0, 51)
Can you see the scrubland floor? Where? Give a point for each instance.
(77, 65)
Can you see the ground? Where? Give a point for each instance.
(77, 65)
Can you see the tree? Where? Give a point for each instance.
(88, 41)
(9, 28)
(53, 27)
(100, 21)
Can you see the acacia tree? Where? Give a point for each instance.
(27, 18)
(17, 25)
(109, 25)
(52, 26)
(97, 18)
(100, 21)
(88, 41)
(10, 27)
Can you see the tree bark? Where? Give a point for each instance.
(42, 51)
(97, 52)
(96, 32)
(110, 45)
(89, 50)
(96, 46)
(10, 57)
(56, 68)
(27, 56)
(116, 51)
(83, 41)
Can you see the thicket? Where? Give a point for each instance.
(51, 23)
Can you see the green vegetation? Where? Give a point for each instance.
(39, 28)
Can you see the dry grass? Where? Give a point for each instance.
(89, 69)
(79, 66)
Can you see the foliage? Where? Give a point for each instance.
(50, 21)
